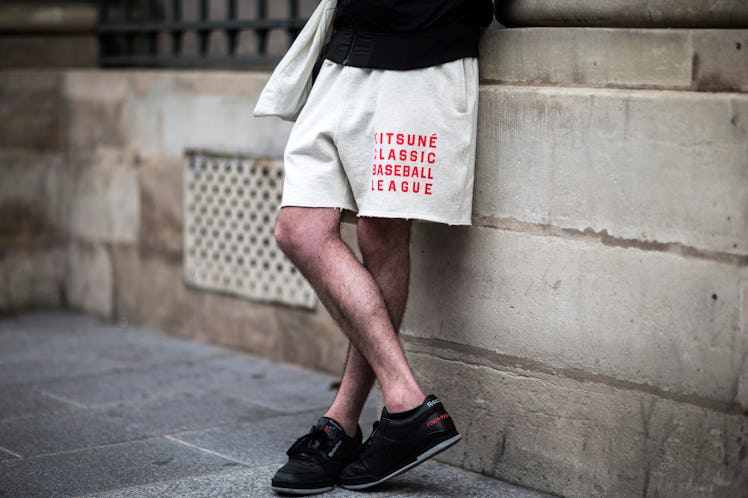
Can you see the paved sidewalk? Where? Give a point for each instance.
(88, 408)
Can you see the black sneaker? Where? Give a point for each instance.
(399, 444)
(316, 459)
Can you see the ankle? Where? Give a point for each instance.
(403, 401)
(349, 424)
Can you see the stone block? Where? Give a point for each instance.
(89, 284)
(49, 51)
(235, 323)
(32, 195)
(30, 110)
(96, 120)
(681, 59)
(643, 166)
(662, 321)
(174, 111)
(624, 13)
(720, 62)
(23, 174)
(161, 210)
(588, 56)
(149, 290)
(225, 83)
(104, 87)
(31, 278)
(105, 201)
(16, 16)
(742, 394)
(279, 332)
(583, 439)
(312, 339)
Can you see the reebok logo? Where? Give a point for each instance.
(335, 448)
(432, 402)
(432, 422)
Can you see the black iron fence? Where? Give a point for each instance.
(202, 33)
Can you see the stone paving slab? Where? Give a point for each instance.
(253, 443)
(293, 395)
(94, 409)
(115, 424)
(21, 400)
(42, 369)
(48, 322)
(432, 479)
(252, 482)
(124, 345)
(4, 455)
(133, 348)
(174, 378)
(100, 469)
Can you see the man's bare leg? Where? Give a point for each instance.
(385, 246)
(311, 239)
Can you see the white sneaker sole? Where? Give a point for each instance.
(299, 491)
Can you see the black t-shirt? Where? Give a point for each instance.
(406, 34)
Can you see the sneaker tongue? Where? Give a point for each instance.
(329, 425)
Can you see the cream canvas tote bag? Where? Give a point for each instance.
(287, 89)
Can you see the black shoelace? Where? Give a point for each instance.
(370, 439)
(311, 446)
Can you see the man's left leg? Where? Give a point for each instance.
(385, 247)
(400, 440)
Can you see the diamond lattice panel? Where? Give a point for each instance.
(230, 209)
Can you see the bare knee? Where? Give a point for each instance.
(289, 234)
(285, 233)
(380, 238)
(303, 231)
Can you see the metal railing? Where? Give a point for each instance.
(197, 33)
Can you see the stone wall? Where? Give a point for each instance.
(624, 13)
(48, 33)
(91, 213)
(590, 331)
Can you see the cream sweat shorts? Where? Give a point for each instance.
(384, 143)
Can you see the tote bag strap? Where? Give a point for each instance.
(289, 85)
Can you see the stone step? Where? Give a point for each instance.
(681, 59)
(48, 17)
(653, 320)
(48, 34)
(581, 439)
(624, 13)
(647, 167)
(48, 51)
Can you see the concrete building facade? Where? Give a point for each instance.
(589, 331)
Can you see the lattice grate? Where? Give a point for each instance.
(230, 209)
